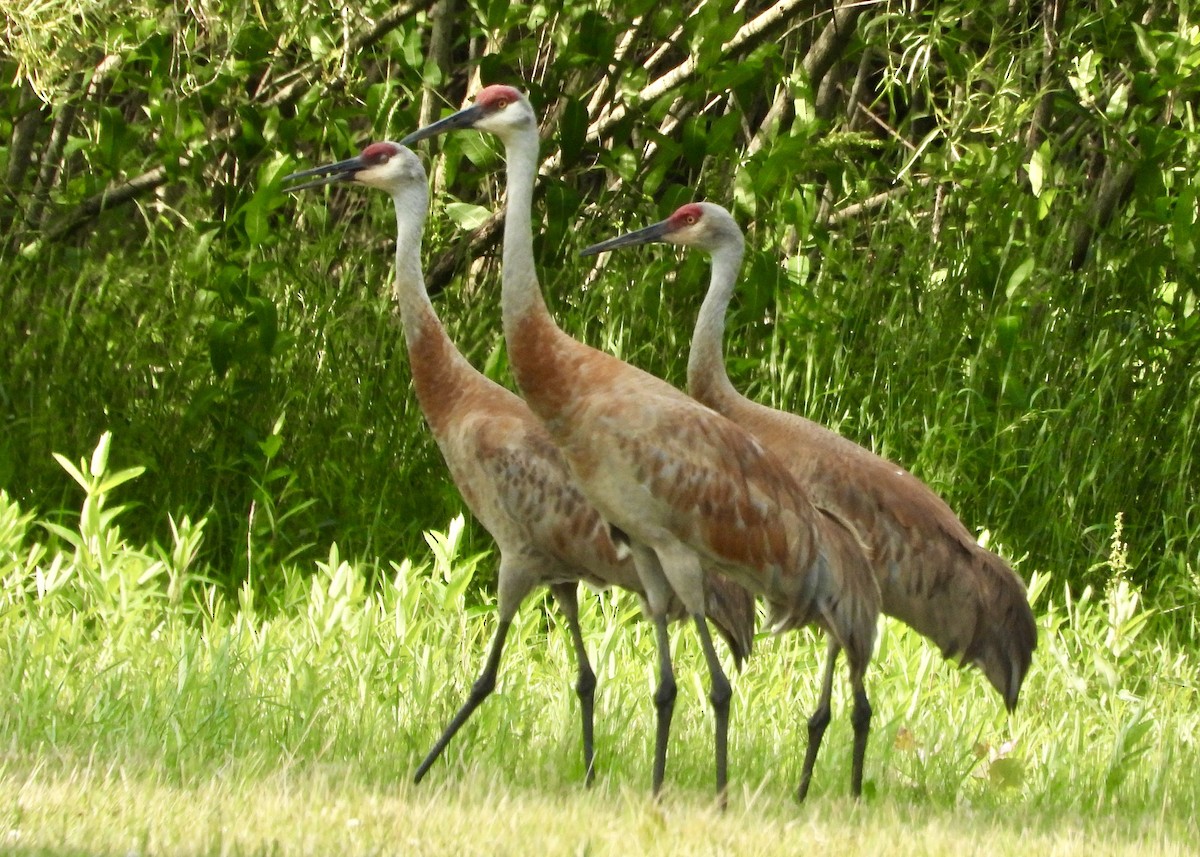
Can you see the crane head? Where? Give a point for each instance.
(385, 165)
(497, 109)
(698, 224)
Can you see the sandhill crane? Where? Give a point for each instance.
(511, 475)
(932, 574)
(681, 483)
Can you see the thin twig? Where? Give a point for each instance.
(873, 202)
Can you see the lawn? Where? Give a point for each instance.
(147, 713)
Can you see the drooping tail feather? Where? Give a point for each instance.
(732, 609)
(973, 605)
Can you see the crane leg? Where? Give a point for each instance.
(819, 720)
(681, 567)
(664, 701)
(585, 684)
(658, 599)
(720, 695)
(480, 691)
(861, 720)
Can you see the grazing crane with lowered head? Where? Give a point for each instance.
(932, 574)
(510, 473)
(681, 484)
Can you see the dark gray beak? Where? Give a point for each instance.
(464, 118)
(342, 171)
(629, 239)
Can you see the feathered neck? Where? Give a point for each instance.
(521, 294)
(707, 376)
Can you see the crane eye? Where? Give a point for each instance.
(502, 103)
(691, 220)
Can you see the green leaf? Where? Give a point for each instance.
(1145, 47)
(67, 535)
(1037, 168)
(74, 472)
(1183, 224)
(271, 446)
(1019, 276)
(119, 478)
(221, 346)
(100, 456)
(466, 215)
(1006, 773)
(266, 317)
(1082, 77)
(572, 127)
(1007, 329)
(1118, 103)
(254, 221)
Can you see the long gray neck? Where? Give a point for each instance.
(707, 378)
(442, 378)
(408, 290)
(521, 294)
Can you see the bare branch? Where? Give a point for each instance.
(20, 151)
(832, 41)
(873, 202)
(440, 34)
(750, 34)
(853, 108)
(20, 158)
(605, 88)
(52, 157)
(1113, 187)
(769, 126)
(1052, 12)
(440, 41)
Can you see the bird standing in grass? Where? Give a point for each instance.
(932, 574)
(684, 485)
(511, 475)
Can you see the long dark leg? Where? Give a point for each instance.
(657, 599)
(664, 701)
(861, 719)
(819, 720)
(483, 686)
(720, 696)
(585, 684)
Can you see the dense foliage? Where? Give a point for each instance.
(972, 231)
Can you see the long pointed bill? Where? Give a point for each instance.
(342, 171)
(629, 239)
(464, 118)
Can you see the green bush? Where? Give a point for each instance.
(971, 234)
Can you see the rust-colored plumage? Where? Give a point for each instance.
(687, 486)
(931, 573)
(511, 475)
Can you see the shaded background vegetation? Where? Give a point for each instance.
(971, 226)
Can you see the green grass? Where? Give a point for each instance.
(143, 713)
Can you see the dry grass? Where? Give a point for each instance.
(84, 810)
